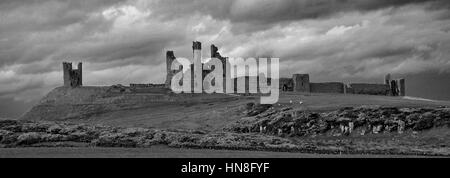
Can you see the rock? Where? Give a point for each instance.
(280, 132)
(5, 137)
(115, 140)
(134, 131)
(249, 106)
(258, 109)
(54, 137)
(401, 126)
(345, 121)
(377, 129)
(423, 124)
(6, 123)
(55, 129)
(117, 88)
(29, 138)
(350, 127)
(342, 127)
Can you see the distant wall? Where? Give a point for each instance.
(369, 89)
(286, 84)
(247, 83)
(329, 87)
(402, 87)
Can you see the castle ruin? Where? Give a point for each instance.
(297, 83)
(72, 77)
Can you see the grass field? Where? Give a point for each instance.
(94, 105)
(166, 152)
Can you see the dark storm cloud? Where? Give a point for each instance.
(31, 30)
(273, 11)
(20, 87)
(35, 30)
(43, 15)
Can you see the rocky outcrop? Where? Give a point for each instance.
(15, 133)
(346, 121)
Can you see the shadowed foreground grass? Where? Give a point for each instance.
(160, 151)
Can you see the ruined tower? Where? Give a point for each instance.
(198, 70)
(402, 87)
(72, 77)
(301, 82)
(387, 79)
(215, 54)
(397, 87)
(170, 57)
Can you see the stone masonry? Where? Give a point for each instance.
(72, 77)
(300, 82)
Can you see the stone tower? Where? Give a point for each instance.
(301, 82)
(402, 87)
(397, 87)
(197, 78)
(387, 79)
(215, 54)
(170, 57)
(72, 77)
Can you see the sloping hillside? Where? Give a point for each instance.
(98, 105)
(299, 122)
(162, 110)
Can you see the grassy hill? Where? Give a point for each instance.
(299, 122)
(98, 105)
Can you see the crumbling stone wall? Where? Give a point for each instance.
(327, 87)
(286, 84)
(72, 77)
(215, 54)
(170, 57)
(368, 89)
(402, 87)
(196, 48)
(298, 82)
(301, 82)
(397, 86)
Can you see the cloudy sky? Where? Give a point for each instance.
(124, 41)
